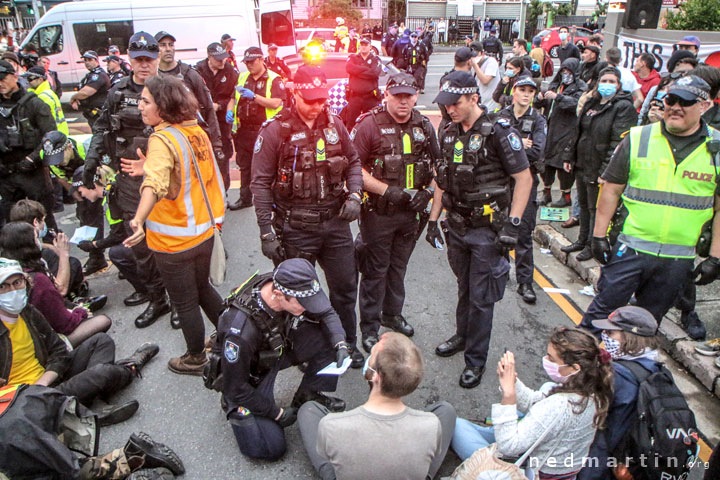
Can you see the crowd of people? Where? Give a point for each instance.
(157, 168)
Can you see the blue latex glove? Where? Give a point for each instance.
(248, 94)
(229, 117)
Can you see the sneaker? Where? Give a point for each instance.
(709, 348)
(188, 364)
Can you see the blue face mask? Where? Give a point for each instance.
(43, 232)
(607, 90)
(563, 36)
(366, 366)
(509, 73)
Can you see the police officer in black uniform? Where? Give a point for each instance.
(307, 183)
(388, 40)
(463, 55)
(398, 149)
(364, 70)
(416, 57)
(119, 133)
(480, 158)
(273, 322)
(24, 119)
(532, 127)
(92, 89)
(114, 68)
(277, 64)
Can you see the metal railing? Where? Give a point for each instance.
(465, 27)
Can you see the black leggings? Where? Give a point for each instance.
(566, 179)
(186, 276)
(587, 194)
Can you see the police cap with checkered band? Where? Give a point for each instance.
(297, 278)
(456, 84)
(310, 83)
(53, 144)
(402, 83)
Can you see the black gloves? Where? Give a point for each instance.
(287, 417)
(86, 246)
(507, 236)
(420, 201)
(708, 270)
(350, 210)
(396, 195)
(272, 248)
(343, 352)
(601, 249)
(26, 165)
(89, 173)
(433, 234)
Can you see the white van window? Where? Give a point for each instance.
(99, 36)
(49, 40)
(277, 28)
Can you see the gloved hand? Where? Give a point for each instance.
(26, 165)
(219, 155)
(229, 117)
(86, 246)
(343, 352)
(601, 249)
(396, 195)
(507, 236)
(245, 93)
(350, 210)
(89, 173)
(272, 248)
(433, 234)
(287, 417)
(420, 201)
(708, 270)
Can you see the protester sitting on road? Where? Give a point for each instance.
(19, 241)
(566, 416)
(514, 69)
(354, 444)
(629, 337)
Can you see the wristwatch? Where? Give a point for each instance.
(515, 221)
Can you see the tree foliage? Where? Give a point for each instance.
(703, 15)
(534, 10)
(336, 8)
(600, 9)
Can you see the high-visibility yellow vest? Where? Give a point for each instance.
(46, 94)
(269, 112)
(176, 225)
(667, 204)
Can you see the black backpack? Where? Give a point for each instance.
(493, 46)
(663, 432)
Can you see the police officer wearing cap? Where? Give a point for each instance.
(114, 68)
(119, 139)
(666, 175)
(463, 55)
(532, 127)
(274, 321)
(38, 84)
(415, 57)
(228, 42)
(92, 90)
(259, 96)
(398, 149)
(364, 70)
(220, 78)
(277, 64)
(481, 158)
(24, 119)
(307, 182)
(388, 40)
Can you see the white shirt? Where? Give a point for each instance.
(627, 80)
(441, 26)
(489, 67)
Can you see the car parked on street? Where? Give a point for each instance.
(304, 35)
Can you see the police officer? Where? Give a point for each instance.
(666, 174)
(220, 78)
(306, 184)
(275, 321)
(463, 55)
(415, 57)
(480, 157)
(118, 135)
(366, 32)
(364, 70)
(532, 128)
(259, 96)
(277, 64)
(92, 89)
(228, 42)
(341, 31)
(114, 50)
(388, 40)
(114, 68)
(38, 84)
(398, 50)
(24, 119)
(398, 149)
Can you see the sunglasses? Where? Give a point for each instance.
(672, 100)
(146, 47)
(318, 101)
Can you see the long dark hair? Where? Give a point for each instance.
(17, 241)
(595, 378)
(175, 102)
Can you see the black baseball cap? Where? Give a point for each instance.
(113, 58)
(690, 87)
(365, 40)
(456, 84)
(142, 44)
(414, 34)
(162, 34)
(6, 68)
(476, 46)
(631, 319)
(252, 53)
(401, 83)
(90, 54)
(525, 81)
(217, 51)
(463, 54)
(35, 72)
(53, 144)
(311, 83)
(297, 278)
(227, 36)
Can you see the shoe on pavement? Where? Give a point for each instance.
(333, 404)
(136, 298)
(153, 454)
(189, 364)
(357, 359)
(692, 324)
(151, 474)
(94, 267)
(564, 201)
(525, 290)
(585, 254)
(397, 323)
(573, 247)
(709, 348)
(240, 204)
(471, 377)
(368, 342)
(140, 357)
(92, 304)
(546, 197)
(570, 222)
(113, 414)
(453, 345)
(153, 311)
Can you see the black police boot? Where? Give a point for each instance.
(142, 356)
(151, 454)
(397, 323)
(113, 414)
(174, 318)
(527, 293)
(573, 247)
(155, 310)
(357, 360)
(692, 324)
(92, 303)
(585, 254)
(136, 298)
(453, 345)
(368, 341)
(94, 265)
(333, 404)
(151, 474)
(471, 377)
(244, 201)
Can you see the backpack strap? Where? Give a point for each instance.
(637, 369)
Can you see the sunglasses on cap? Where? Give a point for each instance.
(144, 46)
(671, 100)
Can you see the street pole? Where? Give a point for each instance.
(36, 10)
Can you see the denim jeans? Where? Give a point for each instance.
(469, 437)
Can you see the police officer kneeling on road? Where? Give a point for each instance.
(398, 149)
(274, 321)
(480, 157)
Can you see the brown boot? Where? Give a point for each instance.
(188, 364)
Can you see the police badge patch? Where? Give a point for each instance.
(515, 142)
(418, 134)
(231, 351)
(258, 144)
(474, 144)
(331, 136)
(94, 77)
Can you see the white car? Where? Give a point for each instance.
(304, 35)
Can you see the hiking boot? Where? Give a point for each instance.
(141, 357)
(709, 348)
(152, 454)
(546, 197)
(189, 364)
(692, 324)
(154, 310)
(565, 201)
(152, 474)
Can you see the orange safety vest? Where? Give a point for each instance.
(176, 225)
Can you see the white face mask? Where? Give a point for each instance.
(13, 302)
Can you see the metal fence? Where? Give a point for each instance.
(28, 22)
(465, 27)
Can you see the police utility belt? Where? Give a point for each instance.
(307, 219)
(402, 171)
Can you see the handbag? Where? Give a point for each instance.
(218, 265)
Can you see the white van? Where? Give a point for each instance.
(68, 29)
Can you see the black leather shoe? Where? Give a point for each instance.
(573, 247)
(453, 345)
(240, 204)
(397, 323)
(91, 267)
(140, 357)
(93, 303)
(153, 311)
(174, 318)
(113, 414)
(333, 404)
(585, 254)
(368, 342)
(136, 298)
(527, 293)
(471, 376)
(153, 454)
(357, 360)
